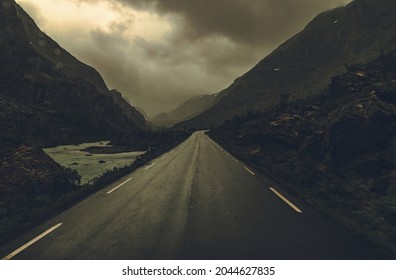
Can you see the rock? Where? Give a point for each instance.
(358, 127)
(371, 167)
(384, 185)
(387, 94)
(313, 145)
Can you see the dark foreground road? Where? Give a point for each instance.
(195, 202)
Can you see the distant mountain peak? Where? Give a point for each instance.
(186, 110)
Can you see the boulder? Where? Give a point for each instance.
(359, 127)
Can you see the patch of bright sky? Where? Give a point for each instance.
(68, 16)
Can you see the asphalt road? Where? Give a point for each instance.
(194, 202)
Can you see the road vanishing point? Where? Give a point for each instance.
(194, 202)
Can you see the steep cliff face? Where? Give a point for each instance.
(71, 66)
(51, 50)
(47, 96)
(130, 112)
(303, 65)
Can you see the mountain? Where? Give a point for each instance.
(127, 109)
(144, 114)
(185, 111)
(47, 96)
(70, 65)
(52, 51)
(335, 150)
(303, 65)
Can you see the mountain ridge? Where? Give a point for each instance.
(44, 104)
(50, 49)
(70, 65)
(186, 110)
(304, 65)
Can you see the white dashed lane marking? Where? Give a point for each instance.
(286, 200)
(120, 185)
(149, 166)
(31, 242)
(250, 171)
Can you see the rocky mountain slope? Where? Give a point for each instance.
(46, 95)
(71, 66)
(303, 65)
(335, 150)
(51, 50)
(132, 113)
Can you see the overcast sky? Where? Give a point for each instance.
(158, 53)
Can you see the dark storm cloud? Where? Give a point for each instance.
(249, 21)
(227, 37)
(210, 43)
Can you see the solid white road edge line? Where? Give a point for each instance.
(287, 201)
(31, 242)
(120, 185)
(250, 171)
(149, 166)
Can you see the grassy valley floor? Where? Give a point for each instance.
(93, 164)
